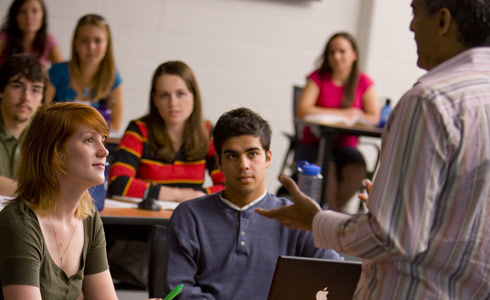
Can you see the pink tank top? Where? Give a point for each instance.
(331, 96)
(44, 58)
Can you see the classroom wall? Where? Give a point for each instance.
(391, 52)
(244, 52)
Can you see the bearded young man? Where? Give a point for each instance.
(22, 82)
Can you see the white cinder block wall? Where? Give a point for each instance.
(391, 53)
(244, 52)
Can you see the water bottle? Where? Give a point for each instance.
(385, 113)
(310, 180)
(99, 192)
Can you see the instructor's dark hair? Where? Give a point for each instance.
(472, 17)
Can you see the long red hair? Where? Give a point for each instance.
(41, 154)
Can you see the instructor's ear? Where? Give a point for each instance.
(445, 19)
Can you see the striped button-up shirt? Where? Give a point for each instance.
(427, 232)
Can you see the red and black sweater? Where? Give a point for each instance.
(134, 169)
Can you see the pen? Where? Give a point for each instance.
(174, 292)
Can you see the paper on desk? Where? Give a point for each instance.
(131, 202)
(168, 205)
(119, 204)
(333, 119)
(108, 202)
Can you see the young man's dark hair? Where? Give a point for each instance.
(238, 122)
(22, 65)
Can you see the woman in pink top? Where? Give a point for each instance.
(25, 31)
(337, 87)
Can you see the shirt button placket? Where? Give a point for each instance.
(242, 238)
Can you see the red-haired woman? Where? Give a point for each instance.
(53, 244)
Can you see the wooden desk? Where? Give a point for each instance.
(113, 140)
(331, 129)
(134, 216)
(131, 223)
(328, 132)
(131, 226)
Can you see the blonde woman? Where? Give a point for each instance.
(90, 76)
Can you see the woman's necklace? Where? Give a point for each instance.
(58, 245)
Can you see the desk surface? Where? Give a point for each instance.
(345, 129)
(134, 216)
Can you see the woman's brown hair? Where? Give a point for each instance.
(15, 34)
(195, 136)
(325, 68)
(41, 154)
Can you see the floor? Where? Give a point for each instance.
(132, 295)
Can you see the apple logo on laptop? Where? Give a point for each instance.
(322, 295)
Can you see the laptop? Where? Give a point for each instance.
(301, 278)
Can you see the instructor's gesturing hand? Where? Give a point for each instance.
(298, 215)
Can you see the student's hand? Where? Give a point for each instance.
(365, 197)
(353, 112)
(188, 193)
(178, 194)
(298, 215)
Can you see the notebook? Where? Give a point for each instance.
(301, 278)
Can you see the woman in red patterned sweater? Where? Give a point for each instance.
(164, 155)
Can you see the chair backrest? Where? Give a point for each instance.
(297, 90)
(158, 256)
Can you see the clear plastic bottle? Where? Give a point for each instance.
(385, 113)
(310, 180)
